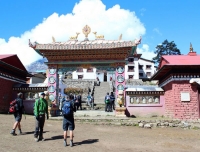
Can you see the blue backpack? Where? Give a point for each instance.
(67, 109)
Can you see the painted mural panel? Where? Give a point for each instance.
(120, 78)
(52, 82)
(144, 99)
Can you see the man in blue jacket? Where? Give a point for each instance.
(68, 110)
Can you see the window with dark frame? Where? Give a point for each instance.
(29, 95)
(148, 74)
(130, 68)
(130, 76)
(79, 70)
(90, 70)
(80, 76)
(131, 60)
(141, 74)
(140, 67)
(148, 67)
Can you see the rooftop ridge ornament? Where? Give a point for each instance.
(32, 45)
(98, 36)
(86, 30)
(74, 37)
(191, 48)
(138, 41)
(134, 48)
(53, 40)
(120, 37)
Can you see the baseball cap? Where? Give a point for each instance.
(42, 93)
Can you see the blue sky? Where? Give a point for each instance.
(174, 20)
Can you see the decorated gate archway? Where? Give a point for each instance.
(109, 55)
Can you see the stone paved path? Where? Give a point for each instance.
(97, 138)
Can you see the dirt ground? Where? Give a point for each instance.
(97, 138)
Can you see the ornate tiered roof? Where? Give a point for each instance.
(86, 50)
(82, 45)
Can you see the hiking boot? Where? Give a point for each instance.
(36, 139)
(13, 132)
(20, 131)
(65, 142)
(41, 138)
(71, 143)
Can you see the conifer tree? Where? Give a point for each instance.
(166, 48)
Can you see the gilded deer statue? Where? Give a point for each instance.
(98, 36)
(74, 37)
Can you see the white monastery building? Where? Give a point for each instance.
(136, 68)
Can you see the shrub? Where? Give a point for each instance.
(73, 90)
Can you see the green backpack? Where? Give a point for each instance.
(107, 99)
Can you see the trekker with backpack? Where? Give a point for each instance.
(107, 102)
(40, 108)
(68, 110)
(79, 104)
(19, 108)
(112, 101)
(89, 100)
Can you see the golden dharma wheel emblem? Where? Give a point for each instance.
(86, 30)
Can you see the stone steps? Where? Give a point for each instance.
(97, 106)
(100, 92)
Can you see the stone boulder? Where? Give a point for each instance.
(148, 126)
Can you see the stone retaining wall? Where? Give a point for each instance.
(170, 123)
(187, 124)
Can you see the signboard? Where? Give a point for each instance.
(185, 96)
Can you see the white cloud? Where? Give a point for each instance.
(157, 31)
(109, 22)
(146, 53)
(142, 11)
(2, 41)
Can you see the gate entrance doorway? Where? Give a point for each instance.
(105, 77)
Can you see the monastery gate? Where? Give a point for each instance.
(109, 55)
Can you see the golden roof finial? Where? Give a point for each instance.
(191, 48)
(86, 30)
